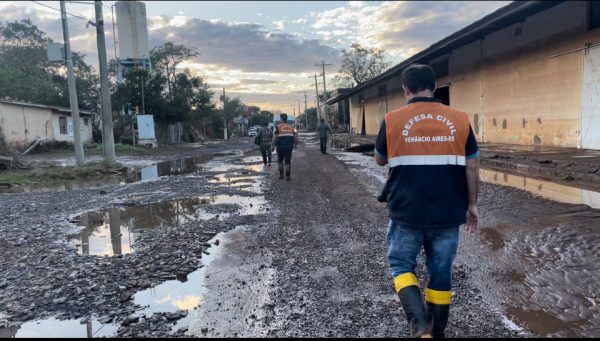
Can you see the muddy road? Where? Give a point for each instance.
(215, 245)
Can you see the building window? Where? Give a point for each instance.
(62, 122)
(593, 14)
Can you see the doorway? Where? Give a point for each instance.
(443, 94)
(363, 130)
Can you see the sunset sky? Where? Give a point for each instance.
(264, 52)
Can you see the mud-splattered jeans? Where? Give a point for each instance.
(440, 244)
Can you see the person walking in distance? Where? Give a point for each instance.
(265, 137)
(285, 139)
(432, 189)
(324, 131)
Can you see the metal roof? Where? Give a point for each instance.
(43, 106)
(502, 17)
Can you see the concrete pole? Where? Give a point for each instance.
(305, 113)
(317, 92)
(108, 140)
(79, 157)
(299, 111)
(324, 83)
(224, 120)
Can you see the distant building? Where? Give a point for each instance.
(338, 112)
(526, 74)
(22, 123)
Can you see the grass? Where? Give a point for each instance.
(96, 148)
(53, 174)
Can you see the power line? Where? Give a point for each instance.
(56, 9)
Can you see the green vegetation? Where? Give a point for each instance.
(171, 94)
(54, 174)
(61, 148)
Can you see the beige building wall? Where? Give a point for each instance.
(23, 124)
(513, 86)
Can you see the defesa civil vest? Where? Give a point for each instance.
(285, 129)
(426, 133)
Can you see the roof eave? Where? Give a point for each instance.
(472, 32)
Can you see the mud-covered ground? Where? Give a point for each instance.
(48, 273)
(224, 248)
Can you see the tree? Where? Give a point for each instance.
(359, 64)
(166, 57)
(261, 118)
(27, 75)
(311, 114)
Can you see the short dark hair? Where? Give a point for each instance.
(322, 120)
(418, 77)
(283, 117)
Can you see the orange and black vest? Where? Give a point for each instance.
(285, 135)
(427, 144)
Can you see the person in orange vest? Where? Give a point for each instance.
(431, 190)
(285, 139)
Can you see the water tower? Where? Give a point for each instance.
(132, 29)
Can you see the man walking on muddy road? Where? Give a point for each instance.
(431, 190)
(285, 139)
(265, 137)
(323, 131)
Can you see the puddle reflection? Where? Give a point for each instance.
(54, 328)
(545, 189)
(114, 231)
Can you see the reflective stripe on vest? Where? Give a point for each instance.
(415, 160)
(285, 129)
(426, 133)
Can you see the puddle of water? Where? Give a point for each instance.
(113, 231)
(545, 189)
(54, 328)
(174, 295)
(543, 323)
(155, 171)
(172, 167)
(62, 186)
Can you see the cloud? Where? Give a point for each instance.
(83, 38)
(243, 46)
(401, 28)
(258, 81)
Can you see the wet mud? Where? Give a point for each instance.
(56, 276)
(544, 245)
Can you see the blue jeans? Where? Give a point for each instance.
(440, 244)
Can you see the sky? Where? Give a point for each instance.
(265, 51)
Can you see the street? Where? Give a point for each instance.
(230, 250)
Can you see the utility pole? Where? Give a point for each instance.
(107, 124)
(224, 120)
(305, 113)
(305, 108)
(317, 93)
(79, 157)
(323, 64)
